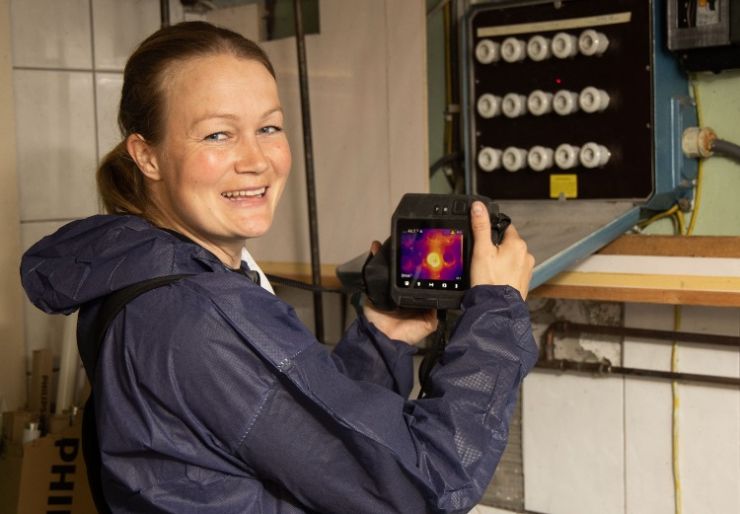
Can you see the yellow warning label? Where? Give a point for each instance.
(565, 185)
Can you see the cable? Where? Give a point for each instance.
(659, 216)
(675, 425)
(435, 352)
(726, 148)
(700, 170)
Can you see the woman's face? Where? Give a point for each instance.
(224, 158)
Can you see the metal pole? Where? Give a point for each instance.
(313, 223)
(164, 12)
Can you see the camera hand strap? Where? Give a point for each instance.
(435, 352)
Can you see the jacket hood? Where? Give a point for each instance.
(88, 259)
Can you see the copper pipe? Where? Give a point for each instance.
(565, 328)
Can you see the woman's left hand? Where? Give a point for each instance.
(403, 325)
(409, 326)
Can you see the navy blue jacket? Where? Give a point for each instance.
(211, 396)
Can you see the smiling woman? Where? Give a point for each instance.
(218, 172)
(209, 394)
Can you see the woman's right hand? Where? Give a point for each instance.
(507, 264)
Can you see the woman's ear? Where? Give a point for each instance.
(144, 156)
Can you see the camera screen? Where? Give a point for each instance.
(431, 257)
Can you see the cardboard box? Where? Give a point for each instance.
(46, 476)
(13, 424)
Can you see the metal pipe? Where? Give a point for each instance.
(313, 223)
(566, 328)
(164, 12)
(607, 369)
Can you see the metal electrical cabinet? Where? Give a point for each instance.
(574, 115)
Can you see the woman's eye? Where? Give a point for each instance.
(216, 136)
(271, 129)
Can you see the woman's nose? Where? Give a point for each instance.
(251, 157)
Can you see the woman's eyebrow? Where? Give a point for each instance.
(215, 115)
(274, 110)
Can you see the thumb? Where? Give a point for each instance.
(480, 223)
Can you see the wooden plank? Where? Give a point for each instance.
(674, 246)
(301, 271)
(639, 295)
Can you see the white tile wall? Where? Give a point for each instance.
(108, 90)
(350, 108)
(55, 129)
(572, 433)
(709, 417)
(119, 27)
(42, 330)
(51, 33)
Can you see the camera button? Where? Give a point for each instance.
(459, 207)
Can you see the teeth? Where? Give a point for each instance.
(244, 193)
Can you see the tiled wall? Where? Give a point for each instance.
(367, 99)
(68, 58)
(12, 369)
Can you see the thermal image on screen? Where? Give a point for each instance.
(432, 254)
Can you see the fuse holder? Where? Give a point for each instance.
(514, 105)
(594, 155)
(539, 102)
(488, 51)
(565, 102)
(488, 105)
(513, 50)
(592, 43)
(538, 48)
(539, 158)
(593, 100)
(564, 45)
(514, 159)
(489, 159)
(566, 156)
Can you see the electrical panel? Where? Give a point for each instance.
(705, 34)
(563, 100)
(573, 115)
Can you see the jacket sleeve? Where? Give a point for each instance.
(340, 445)
(366, 353)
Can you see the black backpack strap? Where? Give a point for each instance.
(89, 346)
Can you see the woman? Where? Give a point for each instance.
(210, 394)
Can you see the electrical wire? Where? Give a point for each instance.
(659, 216)
(700, 171)
(675, 394)
(726, 148)
(675, 419)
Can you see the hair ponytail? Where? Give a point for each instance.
(120, 183)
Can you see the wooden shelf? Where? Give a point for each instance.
(678, 270)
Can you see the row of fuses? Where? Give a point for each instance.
(538, 48)
(540, 158)
(539, 103)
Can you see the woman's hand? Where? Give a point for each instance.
(409, 326)
(507, 264)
